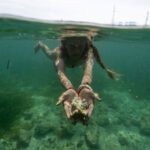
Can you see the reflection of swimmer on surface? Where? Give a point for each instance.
(76, 50)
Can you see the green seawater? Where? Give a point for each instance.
(29, 89)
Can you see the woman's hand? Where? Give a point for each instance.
(85, 92)
(66, 98)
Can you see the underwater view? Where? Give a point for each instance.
(30, 88)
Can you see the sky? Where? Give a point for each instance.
(98, 11)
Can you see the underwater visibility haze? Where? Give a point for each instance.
(29, 89)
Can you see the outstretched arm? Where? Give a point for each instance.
(110, 72)
(84, 90)
(50, 53)
(87, 77)
(66, 97)
(61, 71)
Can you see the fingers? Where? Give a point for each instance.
(67, 108)
(96, 96)
(59, 101)
(61, 98)
(90, 97)
(90, 110)
(67, 96)
(89, 94)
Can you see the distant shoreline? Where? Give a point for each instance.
(70, 22)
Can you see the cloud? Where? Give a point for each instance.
(99, 11)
